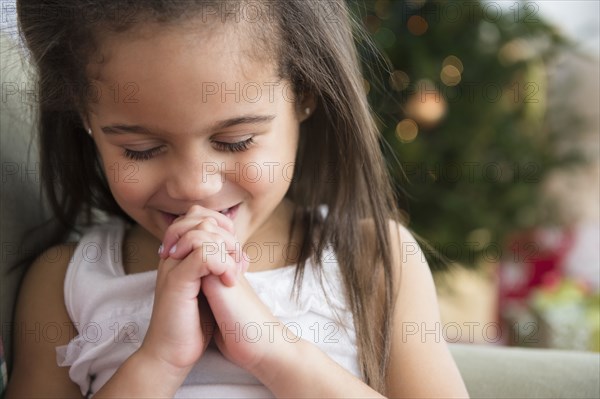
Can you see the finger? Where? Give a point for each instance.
(170, 280)
(182, 225)
(226, 271)
(200, 264)
(195, 217)
(229, 277)
(221, 219)
(212, 239)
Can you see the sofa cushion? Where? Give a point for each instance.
(20, 199)
(503, 372)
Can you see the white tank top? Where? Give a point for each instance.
(111, 312)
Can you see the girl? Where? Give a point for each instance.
(253, 247)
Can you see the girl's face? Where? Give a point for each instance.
(183, 119)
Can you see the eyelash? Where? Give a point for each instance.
(234, 147)
(151, 153)
(142, 155)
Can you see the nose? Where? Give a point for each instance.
(194, 180)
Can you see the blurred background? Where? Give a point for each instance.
(490, 112)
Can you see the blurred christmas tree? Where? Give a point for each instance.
(462, 111)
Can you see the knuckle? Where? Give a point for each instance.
(210, 223)
(194, 209)
(215, 238)
(172, 231)
(196, 238)
(199, 255)
(205, 225)
(191, 236)
(228, 222)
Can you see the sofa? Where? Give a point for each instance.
(488, 371)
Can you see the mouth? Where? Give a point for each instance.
(229, 212)
(169, 217)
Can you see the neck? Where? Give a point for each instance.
(269, 247)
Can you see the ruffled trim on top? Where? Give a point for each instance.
(66, 355)
(101, 346)
(274, 287)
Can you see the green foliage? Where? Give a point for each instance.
(472, 172)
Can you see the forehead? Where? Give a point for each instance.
(212, 51)
(163, 69)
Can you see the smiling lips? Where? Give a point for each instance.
(229, 212)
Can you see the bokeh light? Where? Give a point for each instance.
(454, 61)
(383, 9)
(399, 80)
(450, 75)
(386, 37)
(427, 106)
(417, 25)
(407, 130)
(372, 23)
(489, 36)
(514, 51)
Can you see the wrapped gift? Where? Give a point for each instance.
(569, 313)
(532, 257)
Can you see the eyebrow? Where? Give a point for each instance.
(241, 120)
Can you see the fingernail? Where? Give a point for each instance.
(160, 249)
(173, 249)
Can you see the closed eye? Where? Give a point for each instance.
(143, 155)
(221, 146)
(234, 147)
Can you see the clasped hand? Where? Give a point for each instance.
(201, 293)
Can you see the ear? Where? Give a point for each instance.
(306, 106)
(84, 120)
(86, 123)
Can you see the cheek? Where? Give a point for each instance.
(124, 177)
(273, 166)
(269, 170)
(268, 178)
(128, 183)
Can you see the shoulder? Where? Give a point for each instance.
(420, 362)
(46, 275)
(42, 324)
(419, 352)
(50, 267)
(404, 246)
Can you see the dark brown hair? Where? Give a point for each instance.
(339, 161)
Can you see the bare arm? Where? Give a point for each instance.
(41, 305)
(310, 373)
(141, 376)
(36, 373)
(421, 365)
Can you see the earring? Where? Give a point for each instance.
(89, 131)
(307, 111)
